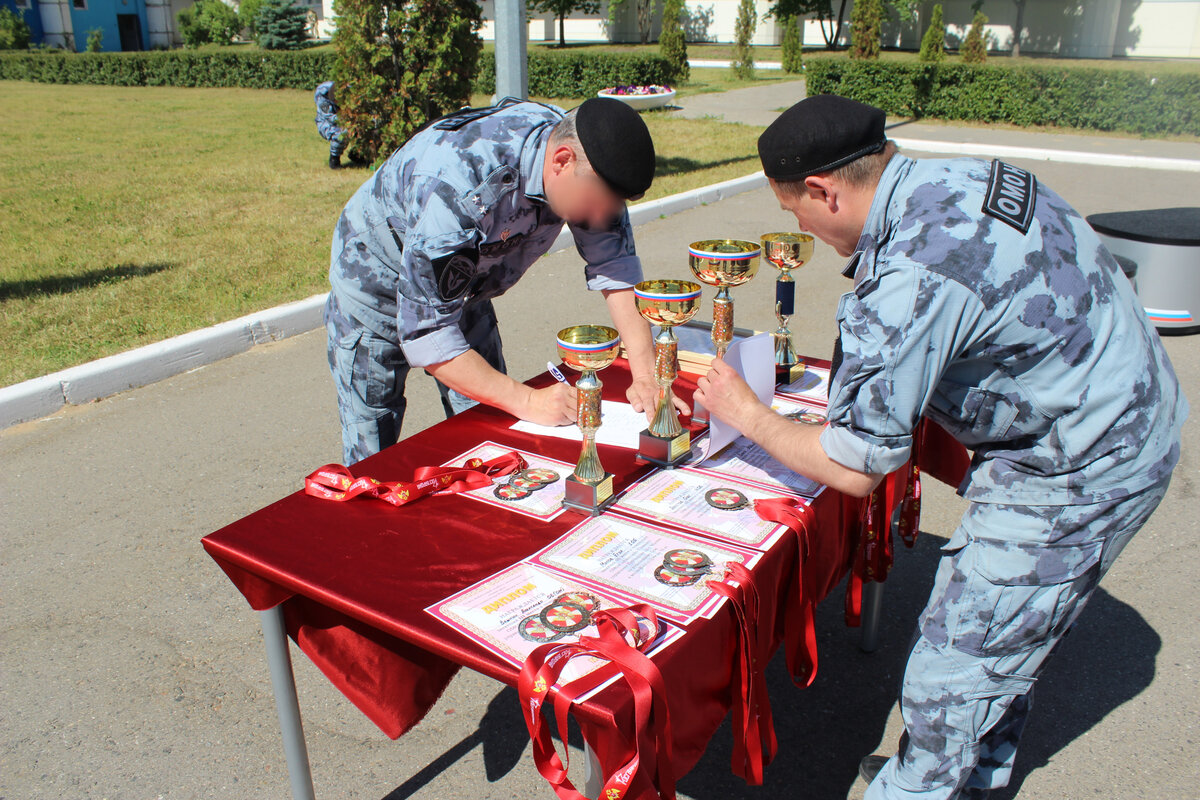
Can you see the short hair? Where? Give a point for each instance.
(862, 172)
(565, 133)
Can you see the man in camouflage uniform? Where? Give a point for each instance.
(453, 219)
(985, 302)
(327, 123)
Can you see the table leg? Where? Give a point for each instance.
(283, 683)
(872, 606)
(593, 777)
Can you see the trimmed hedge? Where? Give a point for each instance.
(550, 74)
(1075, 97)
(581, 74)
(254, 69)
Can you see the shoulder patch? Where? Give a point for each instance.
(1011, 195)
(455, 273)
(452, 122)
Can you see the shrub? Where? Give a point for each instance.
(251, 69)
(14, 30)
(247, 16)
(866, 28)
(1077, 97)
(401, 63)
(933, 43)
(207, 21)
(671, 42)
(281, 25)
(793, 51)
(568, 74)
(743, 55)
(974, 49)
(95, 40)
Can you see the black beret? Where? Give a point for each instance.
(617, 144)
(819, 134)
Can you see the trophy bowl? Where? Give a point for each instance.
(724, 262)
(787, 251)
(667, 303)
(588, 347)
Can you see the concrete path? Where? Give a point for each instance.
(132, 668)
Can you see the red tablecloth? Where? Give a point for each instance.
(355, 577)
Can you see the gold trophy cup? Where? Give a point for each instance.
(589, 349)
(723, 263)
(666, 304)
(786, 252)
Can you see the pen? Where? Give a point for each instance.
(558, 376)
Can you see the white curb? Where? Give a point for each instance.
(117, 373)
(1049, 154)
(722, 63)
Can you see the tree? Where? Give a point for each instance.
(247, 13)
(644, 10)
(1018, 28)
(281, 25)
(974, 49)
(671, 41)
(822, 9)
(207, 21)
(866, 22)
(743, 53)
(399, 64)
(95, 40)
(793, 46)
(14, 30)
(562, 9)
(933, 43)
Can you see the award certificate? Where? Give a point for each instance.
(705, 502)
(525, 606)
(669, 571)
(536, 491)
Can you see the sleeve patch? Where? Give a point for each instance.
(1011, 195)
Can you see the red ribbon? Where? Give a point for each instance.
(334, 482)
(799, 628)
(754, 743)
(621, 642)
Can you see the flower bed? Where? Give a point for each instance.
(640, 97)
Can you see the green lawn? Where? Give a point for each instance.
(133, 214)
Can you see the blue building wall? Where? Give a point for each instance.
(32, 18)
(103, 14)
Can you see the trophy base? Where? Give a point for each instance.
(588, 498)
(789, 373)
(664, 452)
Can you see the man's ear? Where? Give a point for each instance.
(562, 157)
(823, 190)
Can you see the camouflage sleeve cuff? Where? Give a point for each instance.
(619, 273)
(435, 347)
(862, 452)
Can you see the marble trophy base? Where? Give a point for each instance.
(588, 498)
(663, 451)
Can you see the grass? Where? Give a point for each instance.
(133, 214)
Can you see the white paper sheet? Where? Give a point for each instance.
(754, 360)
(619, 426)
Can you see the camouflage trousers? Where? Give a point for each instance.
(369, 373)
(1010, 585)
(336, 137)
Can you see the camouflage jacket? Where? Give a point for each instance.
(983, 300)
(456, 216)
(326, 107)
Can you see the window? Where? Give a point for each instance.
(80, 5)
(24, 4)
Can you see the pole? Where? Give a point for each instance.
(512, 76)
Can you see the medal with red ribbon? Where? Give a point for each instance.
(754, 745)
(799, 629)
(623, 634)
(334, 482)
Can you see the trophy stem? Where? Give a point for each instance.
(666, 368)
(722, 328)
(588, 387)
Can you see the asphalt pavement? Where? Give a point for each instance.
(132, 668)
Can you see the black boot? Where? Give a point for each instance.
(335, 162)
(869, 767)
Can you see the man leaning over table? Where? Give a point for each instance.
(453, 219)
(985, 302)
